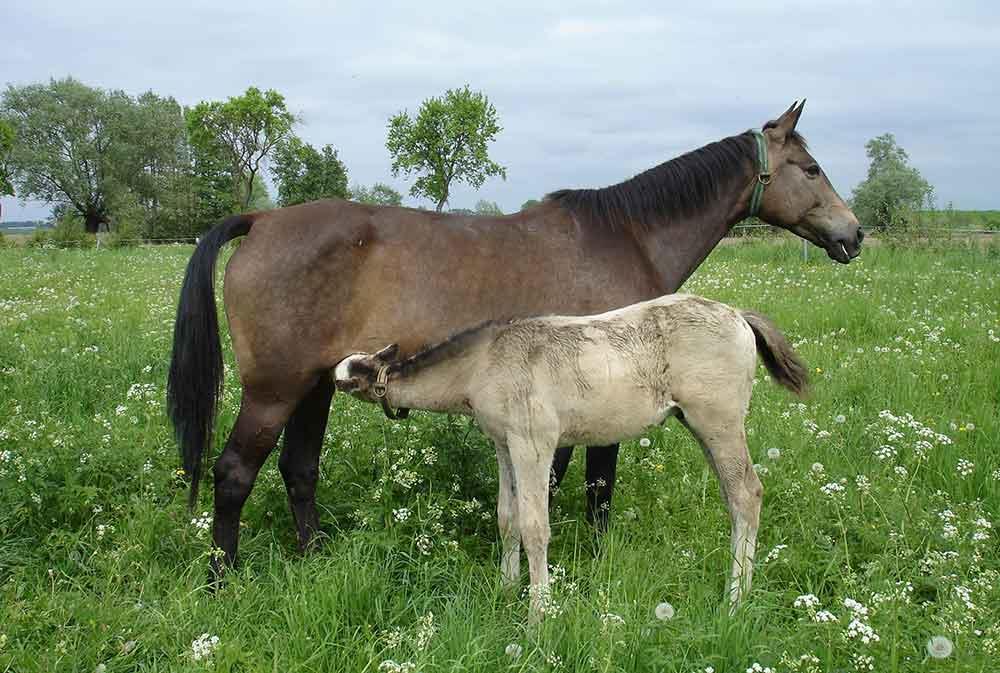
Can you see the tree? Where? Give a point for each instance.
(530, 203)
(893, 190)
(242, 132)
(445, 144)
(305, 174)
(379, 194)
(6, 145)
(490, 208)
(64, 145)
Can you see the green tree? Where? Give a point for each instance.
(153, 164)
(306, 174)
(530, 203)
(379, 194)
(490, 208)
(241, 133)
(445, 144)
(63, 153)
(261, 198)
(893, 190)
(6, 145)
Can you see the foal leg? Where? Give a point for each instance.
(510, 533)
(532, 458)
(253, 437)
(299, 460)
(602, 465)
(723, 439)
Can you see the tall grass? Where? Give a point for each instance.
(101, 565)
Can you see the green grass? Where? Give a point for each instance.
(101, 565)
(962, 219)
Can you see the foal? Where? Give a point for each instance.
(537, 384)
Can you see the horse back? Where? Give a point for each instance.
(335, 277)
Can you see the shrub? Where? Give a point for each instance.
(68, 233)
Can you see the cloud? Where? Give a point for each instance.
(588, 93)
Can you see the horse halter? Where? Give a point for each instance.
(763, 177)
(379, 390)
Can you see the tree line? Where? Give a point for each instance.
(147, 167)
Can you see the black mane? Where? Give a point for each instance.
(676, 188)
(453, 345)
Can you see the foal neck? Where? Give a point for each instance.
(440, 377)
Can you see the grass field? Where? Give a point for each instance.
(879, 528)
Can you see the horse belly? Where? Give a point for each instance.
(612, 417)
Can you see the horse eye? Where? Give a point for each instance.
(812, 171)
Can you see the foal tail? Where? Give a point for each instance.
(780, 359)
(194, 383)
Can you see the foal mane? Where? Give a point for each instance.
(453, 345)
(676, 188)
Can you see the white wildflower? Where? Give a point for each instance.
(401, 514)
(806, 601)
(664, 611)
(939, 647)
(824, 616)
(203, 646)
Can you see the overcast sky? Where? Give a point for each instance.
(588, 93)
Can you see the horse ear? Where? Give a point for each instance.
(783, 126)
(389, 353)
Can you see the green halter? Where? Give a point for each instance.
(763, 178)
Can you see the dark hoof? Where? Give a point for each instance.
(314, 544)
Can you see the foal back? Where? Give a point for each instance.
(608, 377)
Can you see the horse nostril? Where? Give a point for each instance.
(861, 234)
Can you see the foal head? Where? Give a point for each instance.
(357, 374)
(800, 198)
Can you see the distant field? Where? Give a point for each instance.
(882, 500)
(964, 219)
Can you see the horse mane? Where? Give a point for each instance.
(453, 345)
(676, 188)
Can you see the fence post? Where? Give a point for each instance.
(805, 250)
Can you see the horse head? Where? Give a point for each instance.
(796, 194)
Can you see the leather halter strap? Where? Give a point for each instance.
(380, 388)
(763, 177)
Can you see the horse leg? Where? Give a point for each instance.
(253, 437)
(531, 458)
(510, 534)
(723, 438)
(602, 465)
(560, 463)
(299, 460)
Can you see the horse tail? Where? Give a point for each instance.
(780, 359)
(194, 383)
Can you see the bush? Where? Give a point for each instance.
(68, 233)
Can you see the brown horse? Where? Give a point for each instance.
(311, 284)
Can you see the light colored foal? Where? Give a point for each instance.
(537, 384)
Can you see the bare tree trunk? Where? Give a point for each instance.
(92, 222)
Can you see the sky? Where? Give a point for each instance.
(588, 93)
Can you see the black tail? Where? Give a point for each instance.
(780, 359)
(195, 380)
